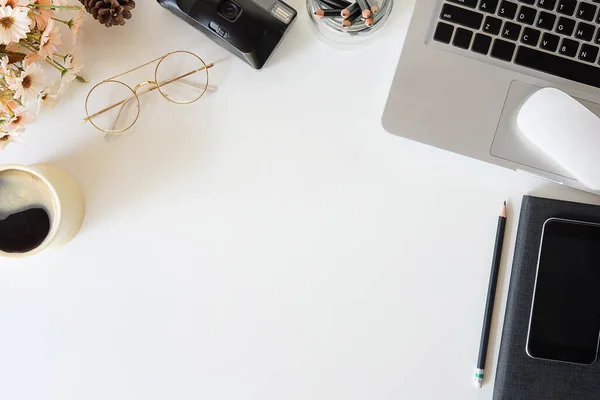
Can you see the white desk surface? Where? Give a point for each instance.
(269, 242)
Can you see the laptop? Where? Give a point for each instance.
(467, 66)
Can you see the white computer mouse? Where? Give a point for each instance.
(566, 131)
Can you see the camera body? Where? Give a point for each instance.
(250, 29)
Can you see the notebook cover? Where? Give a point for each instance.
(518, 376)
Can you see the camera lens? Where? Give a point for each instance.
(230, 10)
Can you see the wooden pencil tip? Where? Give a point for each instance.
(503, 210)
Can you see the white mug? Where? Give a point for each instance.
(66, 202)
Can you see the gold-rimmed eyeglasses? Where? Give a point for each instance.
(113, 107)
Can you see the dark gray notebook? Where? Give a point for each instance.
(518, 376)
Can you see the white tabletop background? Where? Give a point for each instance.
(269, 242)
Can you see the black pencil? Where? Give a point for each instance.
(330, 12)
(491, 295)
(336, 3)
(366, 11)
(351, 9)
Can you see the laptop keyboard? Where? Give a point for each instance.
(558, 37)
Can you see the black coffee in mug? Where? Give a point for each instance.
(26, 211)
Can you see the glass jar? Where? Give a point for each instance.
(331, 31)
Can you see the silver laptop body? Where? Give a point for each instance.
(457, 99)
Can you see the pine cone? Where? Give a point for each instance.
(109, 12)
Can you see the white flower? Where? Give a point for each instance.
(7, 138)
(41, 15)
(14, 24)
(18, 121)
(48, 99)
(29, 85)
(5, 68)
(14, 3)
(50, 40)
(76, 22)
(68, 75)
(30, 59)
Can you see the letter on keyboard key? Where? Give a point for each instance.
(530, 36)
(547, 4)
(443, 32)
(566, 7)
(568, 47)
(492, 25)
(488, 6)
(549, 42)
(546, 21)
(558, 66)
(503, 50)
(526, 15)
(511, 31)
(461, 16)
(588, 53)
(586, 11)
(507, 9)
(565, 26)
(585, 31)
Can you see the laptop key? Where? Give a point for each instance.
(532, 2)
(547, 4)
(462, 38)
(530, 36)
(481, 44)
(565, 26)
(549, 42)
(468, 3)
(526, 15)
(461, 16)
(443, 32)
(588, 53)
(566, 7)
(503, 50)
(546, 21)
(597, 40)
(492, 25)
(558, 66)
(585, 31)
(568, 47)
(586, 11)
(507, 9)
(511, 31)
(488, 6)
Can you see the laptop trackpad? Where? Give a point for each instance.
(509, 144)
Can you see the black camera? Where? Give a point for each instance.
(250, 29)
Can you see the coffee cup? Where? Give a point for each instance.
(41, 207)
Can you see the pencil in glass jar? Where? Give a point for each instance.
(330, 12)
(373, 6)
(366, 11)
(347, 22)
(335, 3)
(350, 10)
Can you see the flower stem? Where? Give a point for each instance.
(54, 65)
(51, 6)
(60, 20)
